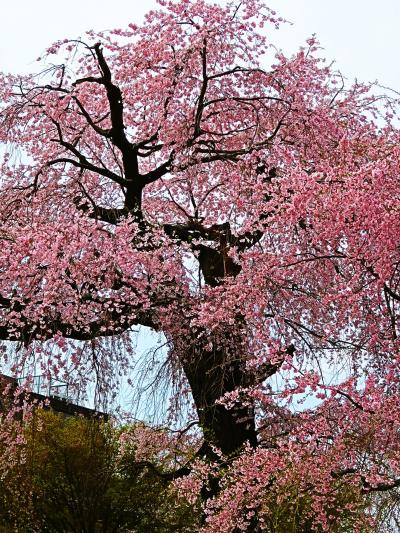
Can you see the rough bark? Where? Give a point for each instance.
(211, 374)
(215, 364)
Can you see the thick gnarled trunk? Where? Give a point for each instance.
(211, 374)
(215, 364)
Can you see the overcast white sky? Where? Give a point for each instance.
(363, 36)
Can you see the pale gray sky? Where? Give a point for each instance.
(362, 35)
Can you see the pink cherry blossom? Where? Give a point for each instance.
(161, 175)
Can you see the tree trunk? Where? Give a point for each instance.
(215, 364)
(212, 372)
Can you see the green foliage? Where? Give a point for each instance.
(72, 477)
(294, 511)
